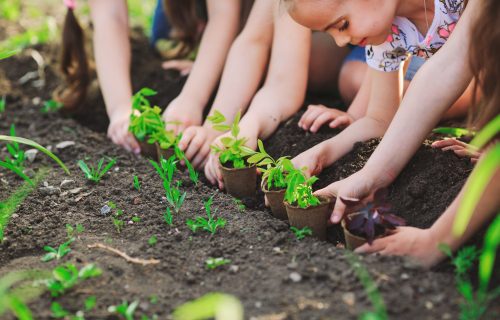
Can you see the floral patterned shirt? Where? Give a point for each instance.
(406, 40)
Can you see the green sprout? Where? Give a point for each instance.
(153, 240)
(137, 183)
(16, 154)
(51, 106)
(3, 104)
(299, 189)
(234, 149)
(58, 253)
(96, 174)
(454, 132)
(125, 309)
(59, 312)
(167, 216)
(166, 170)
(136, 219)
(209, 224)
(213, 263)
(301, 233)
(239, 204)
(65, 277)
(74, 231)
(117, 222)
(212, 305)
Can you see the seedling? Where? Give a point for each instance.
(3, 104)
(454, 132)
(372, 220)
(65, 277)
(58, 253)
(301, 233)
(117, 222)
(51, 106)
(299, 189)
(16, 154)
(239, 204)
(136, 219)
(209, 224)
(165, 170)
(59, 312)
(125, 309)
(273, 171)
(211, 305)
(74, 231)
(137, 183)
(153, 240)
(96, 174)
(234, 150)
(213, 263)
(167, 216)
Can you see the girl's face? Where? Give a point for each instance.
(358, 22)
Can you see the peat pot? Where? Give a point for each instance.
(240, 183)
(352, 241)
(275, 199)
(312, 217)
(165, 153)
(148, 150)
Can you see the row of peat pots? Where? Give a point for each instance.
(240, 183)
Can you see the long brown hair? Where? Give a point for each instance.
(485, 64)
(74, 64)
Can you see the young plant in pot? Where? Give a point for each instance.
(274, 174)
(302, 207)
(370, 222)
(239, 178)
(146, 122)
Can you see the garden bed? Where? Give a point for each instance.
(274, 275)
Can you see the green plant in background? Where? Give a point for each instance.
(125, 309)
(17, 288)
(299, 189)
(51, 106)
(3, 104)
(58, 253)
(234, 150)
(374, 296)
(65, 277)
(301, 233)
(59, 312)
(96, 174)
(213, 263)
(117, 221)
(166, 170)
(9, 206)
(153, 240)
(215, 305)
(40, 34)
(239, 204)
(74, 231)
(137, 184)
(209, 224)
(454, 132)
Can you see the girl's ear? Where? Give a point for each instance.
(74, 64)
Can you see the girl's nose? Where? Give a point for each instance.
(341, 39)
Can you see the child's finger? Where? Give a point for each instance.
(453, 148)
(194, 146)
(309, 117)
(340, 122)
(187, 136)
(208, 172)
(444, 143)
(376, 246)
(201, 155)
(320, 121)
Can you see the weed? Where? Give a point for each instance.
(166, 170)
(153, 240)
(213, 263)
(65, 277)
(96, 174)
(209, 224)
(17, 288)
(299, 189)
(125, 309)
(301, 233)
(137, 183)
(380, 312)
(51, 106)
(234, 149)
(273, 171)
(74, 231)
(58, 253)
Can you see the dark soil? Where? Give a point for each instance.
(265, 255)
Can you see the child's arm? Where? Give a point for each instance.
(243, 72)
(283, 91)
(385, 95)
(422, 244)
(222, 27)
(112, 54)
(437, 85)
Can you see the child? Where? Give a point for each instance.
(271, 38)
(427, 99)
(112, 54)
(394, 32)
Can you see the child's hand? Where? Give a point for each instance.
(318, 115)
(312, 159)
(195, 143)
(119, 134)
(418, 244)
(460, 148)
(183, 66)
(182, 113)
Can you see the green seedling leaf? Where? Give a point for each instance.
(153, 240)
(3, 104)
(301, 233)
(487, 133)
(487, 257)
(213, 263)
(90, 303)
(58, 311)
(137, 184)
(59, 253)
(214, 305)
(8, 54)
(51, 106)
(125, 309)
(454, 132)
(96, 174)
(210, 225)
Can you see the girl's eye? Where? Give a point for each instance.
(344, 26)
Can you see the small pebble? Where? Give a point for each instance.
(64, 144)
(66, 184)
(258, 304)
(234, 268)
(429, 305)
(105, 210)
(50, 190)
(30, 154)
(295, 277)
(349, 298)
(75, 191)
(405, 276)
(292, 265)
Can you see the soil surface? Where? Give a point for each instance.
(274, 275)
